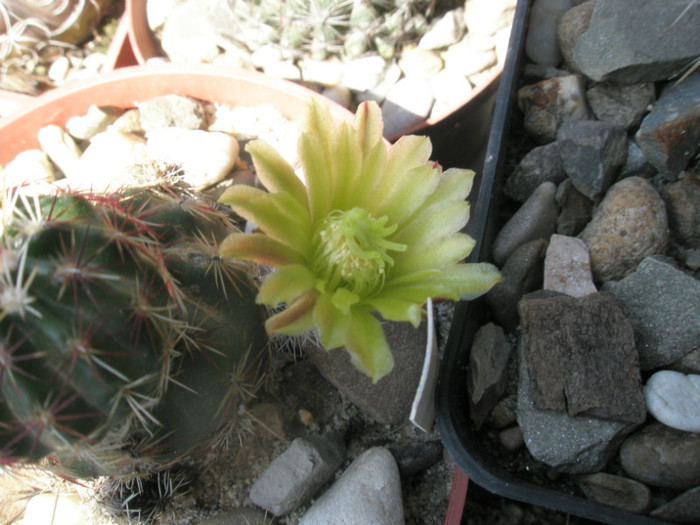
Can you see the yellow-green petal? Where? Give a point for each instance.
(333, 324)
(434, 222)
(433, 254)
(368, 347)
(296, 319)
(397, 309)
(258, 248)
(286, 284)
(275, 173)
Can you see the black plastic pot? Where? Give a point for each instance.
(456, 429)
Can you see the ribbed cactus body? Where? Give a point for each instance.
(125, 339)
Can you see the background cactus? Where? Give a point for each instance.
(126, 342)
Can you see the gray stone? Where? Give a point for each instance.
(572, 25)
(684, 508)
(415, 457)
(242, 516)
(581, 356)
(651, 41)
(96, 120)
(504, 413)
(549, 103)
(623, 105)
(670, 134)
(576, 445)
(535, 219)
(541, 40)
(674, 399)
(522, 273)
(295, 476)
(172, 111)
(629, 225)
(591, 152)
(663, 304)
(511, 438)
(682, 200)
(662, 457)
(576, 209)
(636, 163)
(567, 267)
(539, 165)
(369, 491)
(486, 376)
(688, 364)
(616, 491)
(389, 400)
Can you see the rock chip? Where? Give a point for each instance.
(535, 219)
(539, 165)
(661, 456)
(572, 25)
(670, 134)
(622, 105)
(682, 200)
(567, 267)
(663, 304)
(31, 166)
(541, 40)
(172, 111)
(684, 508)
(549, 103)
(96, 120)
(576, 209)
(364, 73)
(651, 41)
(616, 491)
(369, 491)
(445, 31)
(581, 356)
(486, 376)
(629, 225)
(295, 476)
(467, 58)
(415, 457)
(60, 147)
(522, 273)
(674, 399)
(407, 104)
(241, 516)
(591, 152)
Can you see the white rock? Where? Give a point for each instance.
(464, 58)
(96, 120)
(107, 161)
(60, 147)
(206, 157)
(364, 73)
(567, 267)
(408, 103)
(378, 93)
(340, 94)
(450, 90)
(541, 40)
(368, 492)
(420, 62)
(447, 30)
(267, 54)
(66, 509)
(325, 72)
(486, 17)
(286, 69)
(59, 70)
(674, 399)
(157, 11)
(28, 167)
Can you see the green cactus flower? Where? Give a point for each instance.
(373, 229)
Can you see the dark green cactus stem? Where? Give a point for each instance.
(125, 341)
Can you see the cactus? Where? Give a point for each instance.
(126, 341)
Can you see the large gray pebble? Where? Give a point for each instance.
(674, 399)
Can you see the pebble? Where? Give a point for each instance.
(684, 508)
(570, 27)
(629, 225)
(407, 104)
(623, 105)
(682, 200)
(325, 72)
(535, 219)
(28, 167)
(539, 165)
(674, 399)
(576, 209)
(420, 62)
(450, 90)
(413, 457)
(663, 304)
(58, 71)
(567, 267)
(511, 438)
(661, 456)
(445, 31)
(43, 507)
(96, 120)
(616, 491)
(173, 111)
(297, 474)
(240, 516)
(364, 73)
(60, 147)
(206, 157)
(467, 60)
(369, 491)
(541, 41)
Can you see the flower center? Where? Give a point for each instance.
(351, 251)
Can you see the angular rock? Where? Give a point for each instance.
(295, 476)
(616, 491)
(549, 103)
(522, 273)
(591, 152)
(636, 163)
(407, 104)
(651, 41)
(31, 166)
(576, 209)
(451, 90)
(622, 105)
(662, 457)
(364, 73)
(576, 445)
(171, 111)
(674, 399)
(420, 62)
(541, 40)
(539, 165)
(535, 219)
(444, 31)
(415, 457)
(485, 18)
(241, 516)
(572, 25)
(206, 157)
(369, 491)
(467, 58)
(567, 267)
(663, 304)
(581, 356)
(688, 364)
(96, 120)
(629, 225)
(389, 400)
(670, 134)
(486, 376)
(682, 200)
(60, 147)
(684, 508)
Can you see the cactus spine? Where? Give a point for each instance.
(125, 341)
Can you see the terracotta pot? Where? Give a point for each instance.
(457, 137)
(124, 87)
